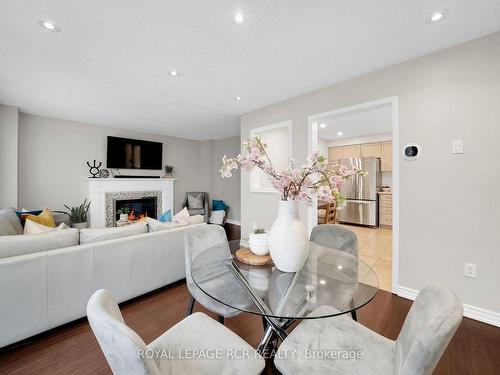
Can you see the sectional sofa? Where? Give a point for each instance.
(41, 290)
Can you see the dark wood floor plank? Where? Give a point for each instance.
(73, 349)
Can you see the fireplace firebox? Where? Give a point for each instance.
(135, 209)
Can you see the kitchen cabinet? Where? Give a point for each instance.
(370, 150)
(386, 157)
(385, 209)
(382, 150)
(334, 154)
(353, 151)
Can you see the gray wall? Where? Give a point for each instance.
(8, 155)
(53, 154)
(449, 206)
(226, 189)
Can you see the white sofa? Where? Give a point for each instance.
(42, 290)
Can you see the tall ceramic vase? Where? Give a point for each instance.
(288, 238)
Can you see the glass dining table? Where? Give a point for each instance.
(329, 277)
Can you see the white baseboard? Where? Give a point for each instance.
(472, 312)
(234, 222)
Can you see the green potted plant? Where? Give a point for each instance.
(78, 215)
(168, 171)
(123, 212)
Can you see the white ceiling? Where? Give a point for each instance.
(370, 121)
(109, 64)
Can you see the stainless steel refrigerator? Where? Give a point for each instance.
(361, 192)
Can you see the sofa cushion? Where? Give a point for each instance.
(10, 223)
(45, 218)
(101, 234)
(32, 243)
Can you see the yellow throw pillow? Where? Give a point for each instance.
(45, 218)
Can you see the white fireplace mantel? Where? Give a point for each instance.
(98, 187)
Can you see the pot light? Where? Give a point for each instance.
(238, 18)
(340, 267)
(237, 98)
(174, 73)
(48, 25)
(437, 16)
(322, 126)
(322, 282)
(340, 133)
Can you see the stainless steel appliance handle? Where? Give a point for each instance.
(359, 202)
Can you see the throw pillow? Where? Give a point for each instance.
(217, 217)
(24, 212)
(166, 216)
(182, 213)
(195, 200)
(44, 218)
(218, 205)
(10, 223)
(32, 227)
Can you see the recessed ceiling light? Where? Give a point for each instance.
(340, 133)
(322, 282)
(322, 125)
(437, 16)
(340, 267)
(48, 25)
(238, 18)
(237, 98)
(174, 73)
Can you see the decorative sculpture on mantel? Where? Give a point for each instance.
(94, 169)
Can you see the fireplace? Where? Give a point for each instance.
(135, 209)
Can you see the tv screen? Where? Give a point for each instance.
(134, 154)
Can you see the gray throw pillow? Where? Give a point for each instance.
(195, 200)
(10, 223)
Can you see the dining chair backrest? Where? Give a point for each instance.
(429, 326)
(199, 239)
(120, 344)
(335, 236)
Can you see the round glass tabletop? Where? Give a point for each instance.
(329, 277)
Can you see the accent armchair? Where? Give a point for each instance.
(127, 354)
(196, 203)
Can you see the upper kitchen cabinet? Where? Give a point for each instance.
(370, 150)
(386, 157)
(334, 154)
(381, 150)
(353, 151)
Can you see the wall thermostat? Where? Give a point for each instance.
(412, 151)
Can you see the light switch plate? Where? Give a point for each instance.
(457, 146)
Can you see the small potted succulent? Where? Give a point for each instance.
(168, 171)
(259, 241)
(78, 215)
(123, 212)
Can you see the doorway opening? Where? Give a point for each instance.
(364, 135)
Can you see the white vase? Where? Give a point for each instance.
(288, 238)
(123, 217)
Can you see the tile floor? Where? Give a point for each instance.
(375, 248)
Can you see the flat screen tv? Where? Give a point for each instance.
(133, 154)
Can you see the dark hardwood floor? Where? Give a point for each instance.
(72, 349)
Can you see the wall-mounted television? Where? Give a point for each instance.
(129, 153)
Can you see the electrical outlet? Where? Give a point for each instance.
(470, 270)
(457, 147)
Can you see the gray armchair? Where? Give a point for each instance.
(196, 203)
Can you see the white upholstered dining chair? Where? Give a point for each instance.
(198, 239)
(430, 325)
(127, 353)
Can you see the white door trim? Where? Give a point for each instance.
(313, 146)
